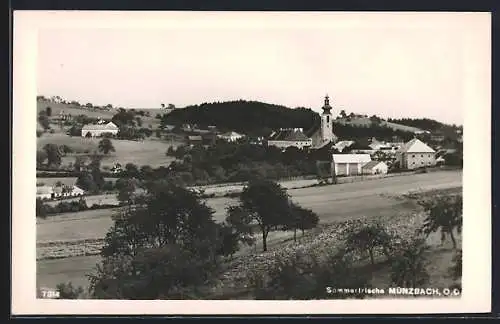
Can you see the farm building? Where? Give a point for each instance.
(287, 137)
(44, 192)
(97, 130)
(231, 136)
(375, 167)
(195, 139)
(349, 164)
(48, 192)
(415, 154)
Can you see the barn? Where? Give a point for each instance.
(349, 164)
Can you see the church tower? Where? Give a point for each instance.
(326, 122)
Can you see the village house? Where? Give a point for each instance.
(97, 130)
(375, 167)
(349, 164)
(287, 137)
(415, 154)
(195, 140)
(341, 145)
(44, 192)
(231, 136)
(53, 192)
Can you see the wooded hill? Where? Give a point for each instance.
(260, 119)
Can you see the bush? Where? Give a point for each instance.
(307, 276)
(67, 291)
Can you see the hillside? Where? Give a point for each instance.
(367, 122)
(75, 109)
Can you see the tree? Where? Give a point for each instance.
(267, 203)
(162, 247)
(126, 188)
(41, 156)
(444, 215)
(301, 219)
(343, 113)
(366, 238)
(79, 163)
(409, 264)
(53, 154)
(105, 146)
(43, 119)
(241, 222)
(48, 111)
(305, 276)
(41, 208)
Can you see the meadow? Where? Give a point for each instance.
(332, 203)
(146, 152)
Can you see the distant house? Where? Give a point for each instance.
(231, 136)
(67, 191)
(44, 192)
(341, 145)
(415, 154)
(375, 167)
(97, 130)
(287, 137)
(117, 168)
(349, 164)
(195, 139)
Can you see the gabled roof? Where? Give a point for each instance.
(291, 135)
(107, 126)
(370, 165)
(351, 158)
(416, 146)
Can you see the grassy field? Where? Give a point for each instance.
(68, 181)
(148, 152)
(75, 269)
(366, 122)
(332, 203)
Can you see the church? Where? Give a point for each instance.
(317, 137)
(322, 134)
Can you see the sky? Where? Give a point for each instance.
(397, 69)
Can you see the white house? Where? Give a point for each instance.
(375, 167)
(230, 136)
(96, 130)
(44, 192)
(67, 191)
(289, 137)
(349, 164)
(415, 154)
(341, 145)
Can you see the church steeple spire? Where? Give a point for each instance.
(326, 107)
